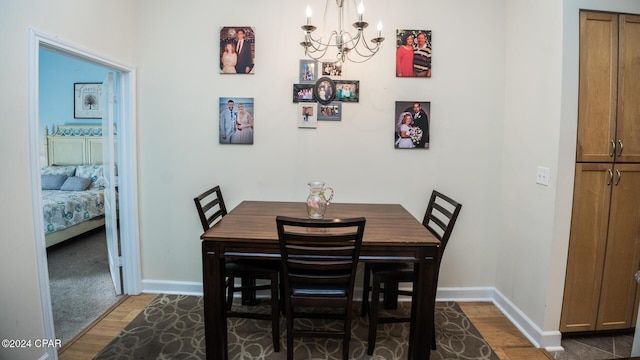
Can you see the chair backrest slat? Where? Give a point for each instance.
(319, 252)
(205, 202)
(441, 216)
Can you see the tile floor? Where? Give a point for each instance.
(594, 347)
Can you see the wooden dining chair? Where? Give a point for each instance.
(319, 261)
(211, 209)
(440, 218)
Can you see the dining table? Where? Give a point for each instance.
(249, 231)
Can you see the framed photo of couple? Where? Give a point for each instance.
(413, 53)
(236, 120)
(411, 124)
(237, 49)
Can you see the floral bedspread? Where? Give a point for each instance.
(63, 209)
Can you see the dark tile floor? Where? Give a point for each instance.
(594, 347)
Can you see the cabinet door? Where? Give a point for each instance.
(587, 244)
(598, 86)
(622, 259)
(628, 121)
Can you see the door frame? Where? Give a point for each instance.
(127, 163)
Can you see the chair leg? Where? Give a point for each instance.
(366, 286)
(433, 336)
(230, 287)
(347, 333)
(275, 312)
(289, 333)
(373, 314)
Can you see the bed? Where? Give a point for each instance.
(72, 182)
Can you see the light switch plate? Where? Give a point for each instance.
(542, 177)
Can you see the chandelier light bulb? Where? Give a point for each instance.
(379, 28)
(308, 14)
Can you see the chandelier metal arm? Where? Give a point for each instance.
(342, 41)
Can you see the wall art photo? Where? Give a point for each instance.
(308, 115)
(411, 123)
(86, 100)
(332, 69)
(308, 71)
(303, 93)
(236, 120)
(347, 90)
(237, 50)
(413, 53)
(325, 90)
(332, 111)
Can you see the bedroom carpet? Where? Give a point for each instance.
(171, 327)
(80, 283)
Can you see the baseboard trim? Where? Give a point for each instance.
(549, 340)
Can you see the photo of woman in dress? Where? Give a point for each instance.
(244, 127)
(229, 59)
(404, 56)
(404, 138)
(412, 124)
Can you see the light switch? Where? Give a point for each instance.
(542, 177)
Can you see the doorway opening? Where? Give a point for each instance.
(123, 101)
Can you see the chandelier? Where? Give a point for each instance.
(354, 48)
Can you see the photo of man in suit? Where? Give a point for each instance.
(237, 49)
(243, 49)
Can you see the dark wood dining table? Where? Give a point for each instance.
(249, 231)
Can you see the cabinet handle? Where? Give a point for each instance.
(610, 177)
(613, 148)
(621, 147)
(618, 179)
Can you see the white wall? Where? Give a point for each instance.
(179, 86)
(75, 21)
(540, 129)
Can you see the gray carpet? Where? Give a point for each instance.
(171, 327)
(80, 283)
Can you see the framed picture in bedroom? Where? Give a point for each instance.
(236, 120)
(308, 115)
(308, 71)
(332, 111)
(87, 99)
(237, 50)
(413, 53)
(412, 122)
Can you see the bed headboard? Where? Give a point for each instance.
(75, 145)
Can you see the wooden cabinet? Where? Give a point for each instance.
(609, 110)
(604, 245)
(604, 248)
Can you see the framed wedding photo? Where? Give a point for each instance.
(87, 98)
(331, 111)
(325, 90)
(411, 124)
(303, 93)
(308, 115)
(308, 71)
(237, 49)
(347, 90)
(413, 53)
(236, 120)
